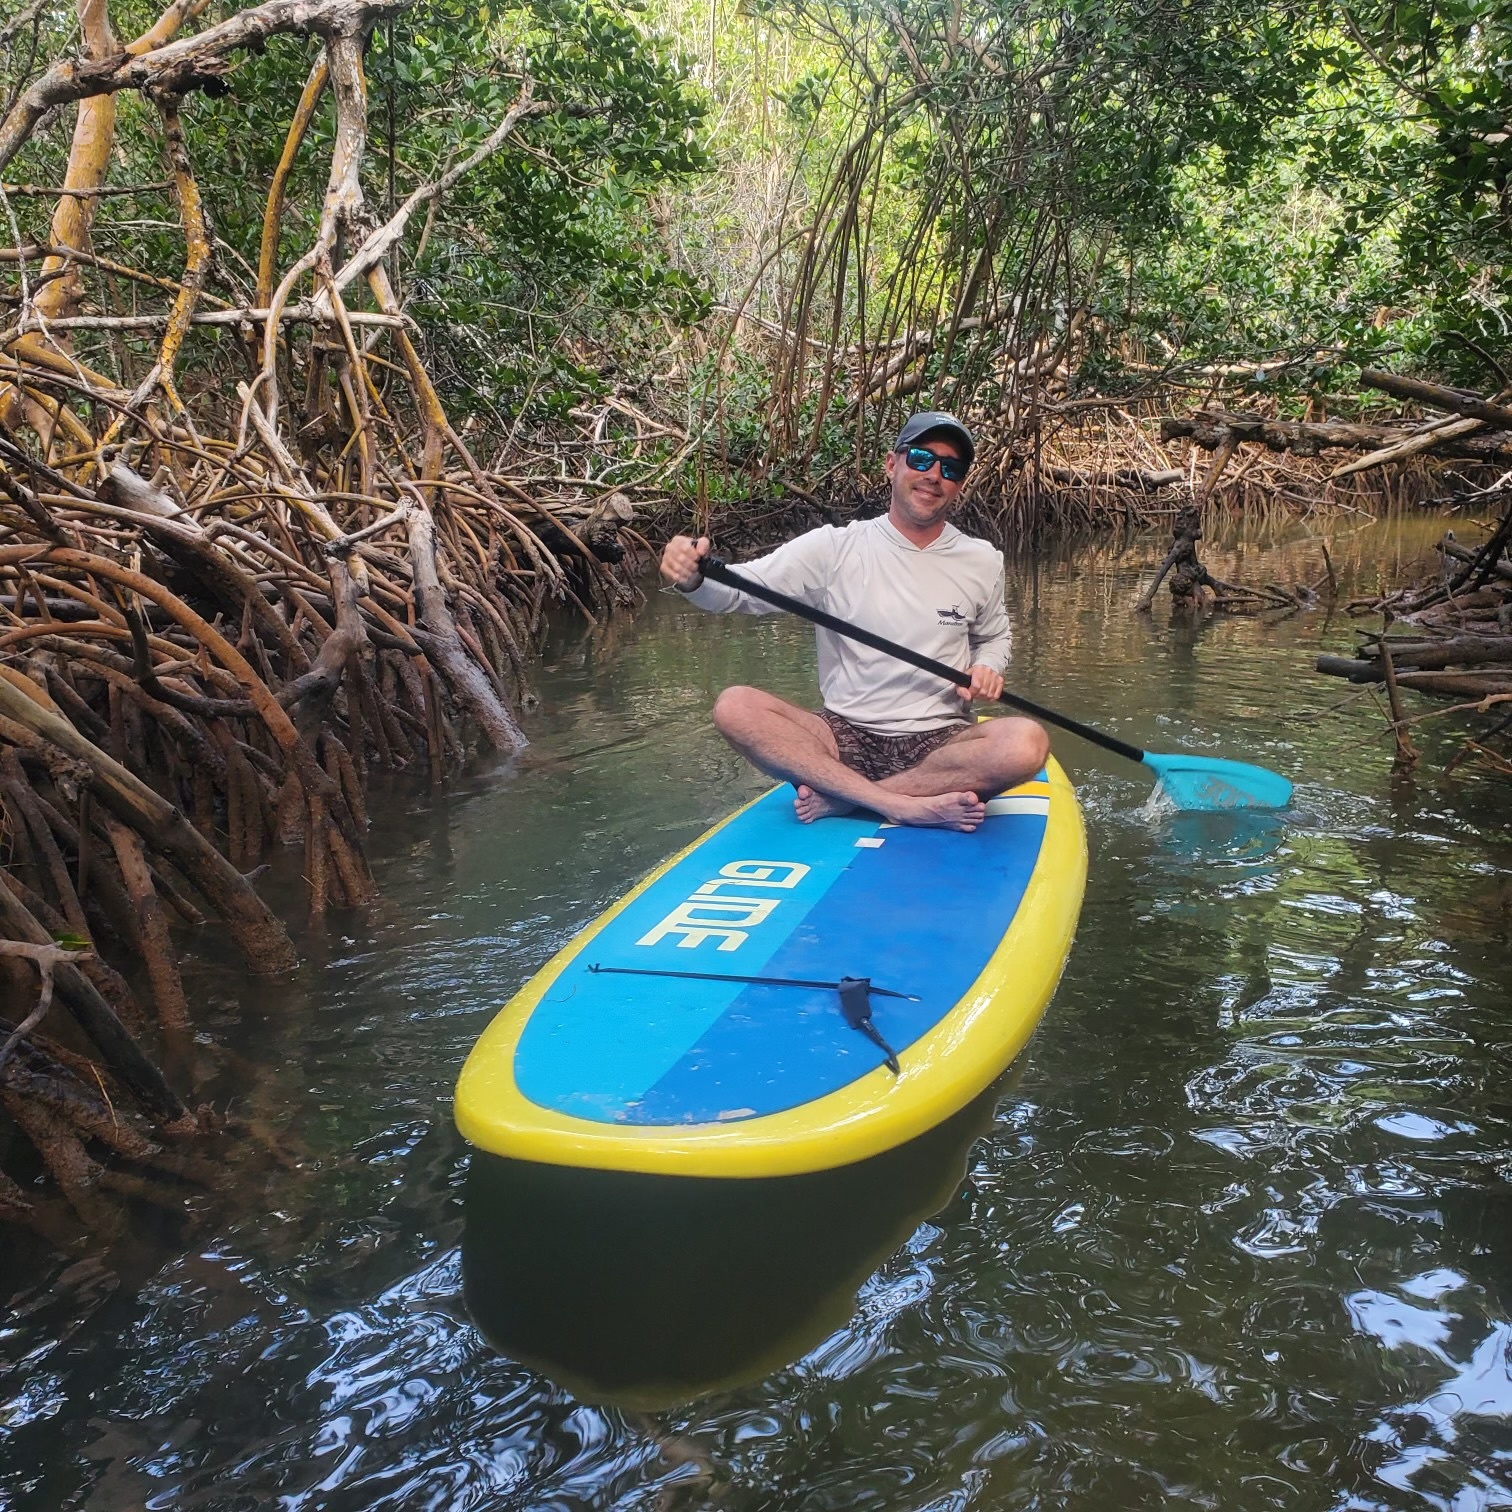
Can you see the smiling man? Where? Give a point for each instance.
(890, 738)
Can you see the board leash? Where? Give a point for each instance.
(855, 997)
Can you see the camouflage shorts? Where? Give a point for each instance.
(877, 756)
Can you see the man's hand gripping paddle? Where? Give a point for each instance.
(1190, 782)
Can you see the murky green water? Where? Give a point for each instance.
(1239, 1236)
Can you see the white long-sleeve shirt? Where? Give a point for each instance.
(944, 600)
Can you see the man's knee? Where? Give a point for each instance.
(1024, 745)
(1033, 743)
(736, 707)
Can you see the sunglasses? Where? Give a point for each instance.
(921, 459)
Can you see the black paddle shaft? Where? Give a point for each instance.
(716, 571)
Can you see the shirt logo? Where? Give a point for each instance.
(951, 616)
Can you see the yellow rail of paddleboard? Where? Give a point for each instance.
(941, 1071)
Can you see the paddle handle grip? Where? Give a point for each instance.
(716, 571)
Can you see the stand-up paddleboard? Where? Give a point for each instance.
(754, 1273)
(783, 997)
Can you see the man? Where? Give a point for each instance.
(890, 737)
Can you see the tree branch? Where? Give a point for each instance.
(186, 64)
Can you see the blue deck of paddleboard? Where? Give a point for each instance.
(920, 912)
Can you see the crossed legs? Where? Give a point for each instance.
(947, 789)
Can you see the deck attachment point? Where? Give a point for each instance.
(855, 1004)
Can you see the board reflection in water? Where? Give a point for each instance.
(648, 1291)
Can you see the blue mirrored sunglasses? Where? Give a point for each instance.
(921, 459)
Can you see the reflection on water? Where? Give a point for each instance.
(1232, 837)
(1240, 1238)
(653, 1290)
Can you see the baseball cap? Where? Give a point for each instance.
(932, 423)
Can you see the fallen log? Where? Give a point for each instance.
(1436, 396)
(1466, 650)
(1424, 439)
(1449, 684)
(1501, 569)
(1214, 429)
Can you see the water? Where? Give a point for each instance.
(1238, 1235)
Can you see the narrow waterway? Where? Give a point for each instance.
(1237, 1234)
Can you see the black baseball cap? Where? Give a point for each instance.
(936, 423)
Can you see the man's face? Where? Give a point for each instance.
(921, 500)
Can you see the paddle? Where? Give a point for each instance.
(1191, 782)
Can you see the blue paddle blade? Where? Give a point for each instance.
(1211, 783)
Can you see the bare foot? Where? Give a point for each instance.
(810, 805)
(957, 811)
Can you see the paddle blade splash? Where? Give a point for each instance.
(1210, 783)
